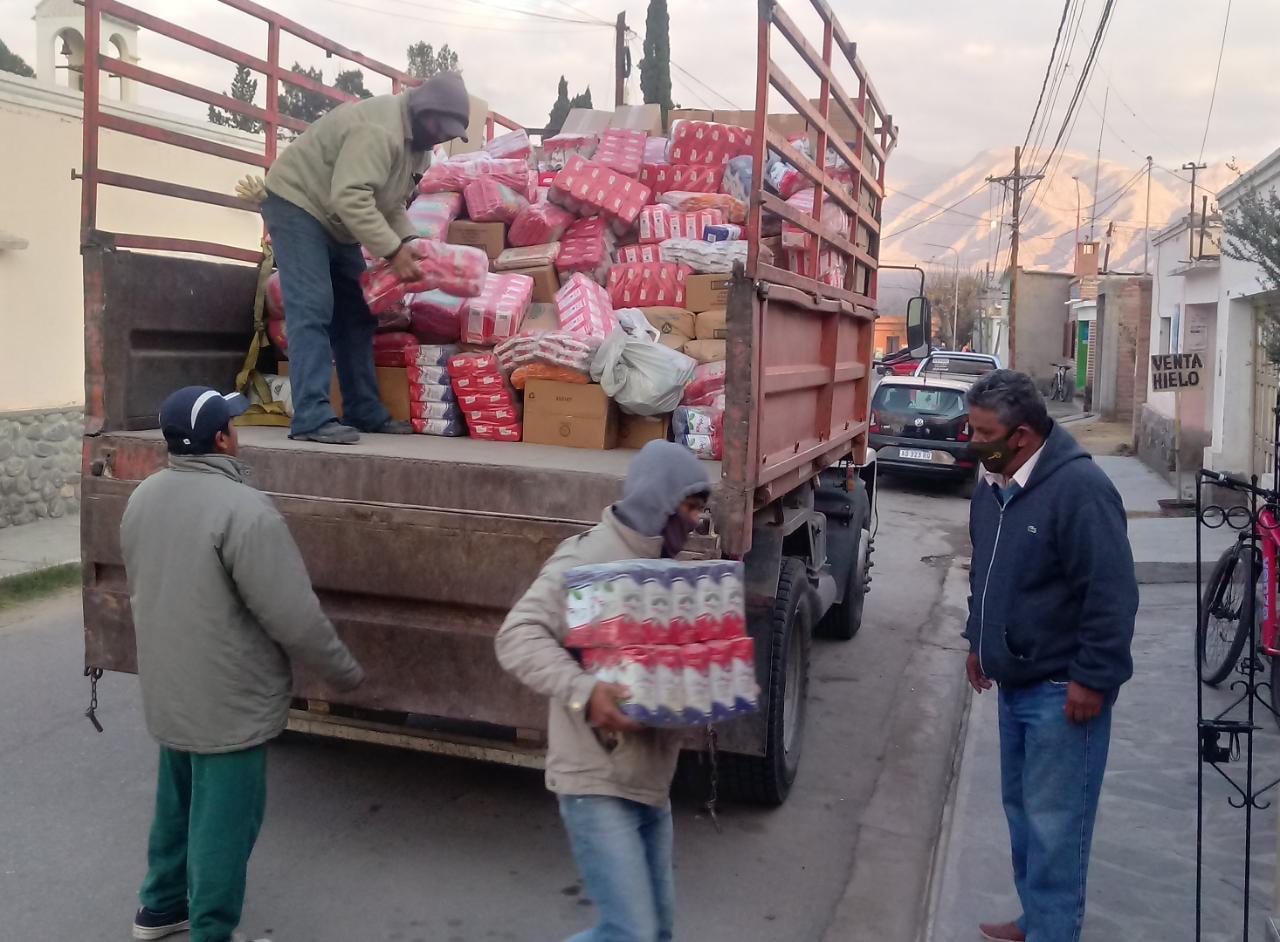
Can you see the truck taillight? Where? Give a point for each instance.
(875, 421)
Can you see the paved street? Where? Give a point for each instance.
(364, 843)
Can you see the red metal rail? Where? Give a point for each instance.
(273, 120)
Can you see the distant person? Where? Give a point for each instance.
(1052, 604)
(345, 183)
(221, 605)
(612, 775)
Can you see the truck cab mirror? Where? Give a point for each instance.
(918, 326)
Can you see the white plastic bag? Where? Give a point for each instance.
(636, 324)
(643, 377)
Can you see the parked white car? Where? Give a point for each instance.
(959, 365)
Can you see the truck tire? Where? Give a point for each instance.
(844, 618)
(767, 779)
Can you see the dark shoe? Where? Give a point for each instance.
(1002, 932)
(149, 925)
(393, 427)
(331, 433)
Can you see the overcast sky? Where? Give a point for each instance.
(958, 78)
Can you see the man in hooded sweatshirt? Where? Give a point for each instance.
(612, 776)
(1053, 597)
(345, 183)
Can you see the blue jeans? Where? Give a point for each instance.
(1051, 777)
(623, 850)
(326, 319)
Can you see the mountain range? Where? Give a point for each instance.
(916, 230)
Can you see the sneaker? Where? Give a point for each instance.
(1002, 932)
(331, 433)
(152, 925)
(393, 427)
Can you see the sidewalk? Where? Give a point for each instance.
(39, 545)
(1142, 876)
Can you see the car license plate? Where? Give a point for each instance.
(915, 454)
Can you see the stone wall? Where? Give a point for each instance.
(1154, 433)
(39, 465)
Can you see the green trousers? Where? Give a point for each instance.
(208, 812)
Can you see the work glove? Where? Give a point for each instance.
(252, 188)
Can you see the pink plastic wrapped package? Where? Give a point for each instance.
(491, 201)
(699, 429)
(647, 285)
(586, 248)
(431, 213)
(453, 175)
(459, 270)
(539, 223)
(584, 308)
(834, 217)
(639, 253)
(383, 289)
(658, 223)
(429, 409)
(448, 428)
(389, 349)
(482, 402)
(662, 178)
(473, 363)
(708, 380)
(429, 354)
(495, 433)
(622, 150)
(655, 150)
(831, 269)
(513, 145)
(597, 189)
(529, 256)
(435, 317)
(706, 142)
(394, 318)
(275, 297)
(685, 201)
(279, 337)
(551, 347)
(495, 314)
(557, 150)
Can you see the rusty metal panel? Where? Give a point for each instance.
(156, 323)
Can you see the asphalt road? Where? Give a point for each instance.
(362, 843)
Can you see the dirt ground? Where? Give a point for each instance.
(1102, 438)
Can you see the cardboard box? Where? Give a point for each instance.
(571, 415)
(540, 317)
(674, 322)
(647, 118)
(490, 236)
(711, 325)
(393, 389)
(636, 431)
(703, 292)
(545, 283)
(707, 351)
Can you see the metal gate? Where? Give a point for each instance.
(1266, 381)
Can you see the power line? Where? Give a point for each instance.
(945, 209)
(1057, 38)
(926, 202)
(1064, 66)
(437, 21)
(1226, 21)
(582, 12)
(713, 91)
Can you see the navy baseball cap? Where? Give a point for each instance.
(195, 414)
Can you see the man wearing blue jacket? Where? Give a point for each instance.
(1052, 603)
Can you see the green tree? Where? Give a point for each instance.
(12, 62)
(655, 67)
(243, 88)
(1253, 236)
(559, 110)
(302, 103)
(581, 101)
(424, 61)
(940, 289)
(352, 82)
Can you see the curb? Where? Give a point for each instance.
(1076, 417)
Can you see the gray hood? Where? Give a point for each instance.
(661, 476)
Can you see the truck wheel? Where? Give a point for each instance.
(843, 619)
(767, 779)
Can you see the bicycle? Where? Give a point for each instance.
(1229, 604)
(1060, 393)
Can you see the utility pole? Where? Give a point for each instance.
(1191, 213)
(1146, 226)
(1018, 179)
(1097, 165)
(620, 60)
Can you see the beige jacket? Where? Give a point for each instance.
(641, 765)
(353, 170)
(221, 604)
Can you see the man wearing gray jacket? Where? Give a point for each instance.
(221, 605)
(612, 776)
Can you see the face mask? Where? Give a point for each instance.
(995, 456)
(675, 534)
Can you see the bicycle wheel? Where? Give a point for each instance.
(1226, 614)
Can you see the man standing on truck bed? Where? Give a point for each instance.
(345, 183)
(1053, 597)
(612, 775)
(221, 604)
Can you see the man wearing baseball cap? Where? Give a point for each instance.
(345, 183)
(222, 605)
